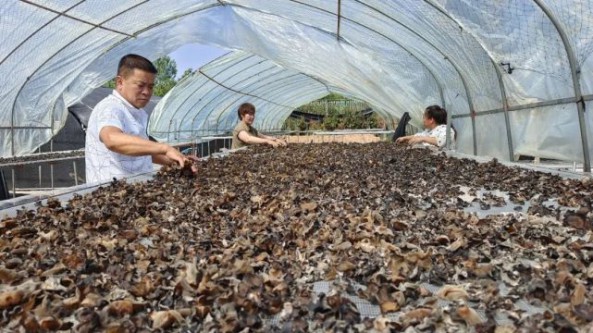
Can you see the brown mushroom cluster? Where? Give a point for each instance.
(308, 238)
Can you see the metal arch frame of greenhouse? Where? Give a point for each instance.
(424, 65)
(578, 98)
(140, 31)
(221, 3)
(94, 26)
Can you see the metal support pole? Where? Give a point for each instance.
(505, 107)
(39, 151)
(575, 72)
(13, 183)
(51, 165)
(75, 173)
(448, 142)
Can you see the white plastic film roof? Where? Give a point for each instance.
(516, 75)
(203, 105)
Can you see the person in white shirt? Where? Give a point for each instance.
(435, 133)
(117, 145)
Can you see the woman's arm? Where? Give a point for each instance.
(423, 139)
(250, 139)
(267, 137)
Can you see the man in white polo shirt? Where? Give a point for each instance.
(117, 144)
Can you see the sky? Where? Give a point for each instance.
(195, 56)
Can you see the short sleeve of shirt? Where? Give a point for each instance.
(241, 126)
(113, 116)
(244, 127)
(440, 134)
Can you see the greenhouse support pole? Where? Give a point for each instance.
(576, 81)
(505, 107)
(51, 164)
(13, 183)
(446, 58)
(448, 142)
(75, 172)
(498, 74)
(39, 167)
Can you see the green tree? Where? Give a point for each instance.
(165, 78)
(331, 120)
(187, 73)
(163, 87)
(110, 84)
(333, 97)
(167, 69)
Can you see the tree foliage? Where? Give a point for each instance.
(167, 69)
(110, 84)
(333, 97)
(165, 78)
(188, 72)
(338, 113)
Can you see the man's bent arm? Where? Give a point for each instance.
(162, 159)
(126, 144)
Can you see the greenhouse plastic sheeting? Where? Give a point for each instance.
(201, 105)
(514, 74)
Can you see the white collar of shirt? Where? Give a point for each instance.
(126, 103)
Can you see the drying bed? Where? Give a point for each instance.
(316, 237)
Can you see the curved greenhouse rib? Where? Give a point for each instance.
(305, 92)
(434, 77)
(100, 25)
(576, 81)
(212, 79)
(242, 94)
(50, 58)
(276, 76)
(213, 99)
(503, 94)
(189, 95)
(457, 69)
(60, 14)
(239, 92)
(439, 83)
(453, 63)
(271, 93)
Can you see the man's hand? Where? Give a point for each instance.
(192, 159)
(174, 155)
(273, 143)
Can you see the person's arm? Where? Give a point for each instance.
(423, 139)
(267, 137)
(404, 139)
(132, 145)
(162, 160)
(250, 139)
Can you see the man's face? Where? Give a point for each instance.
(248, 118)
(136, 88)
